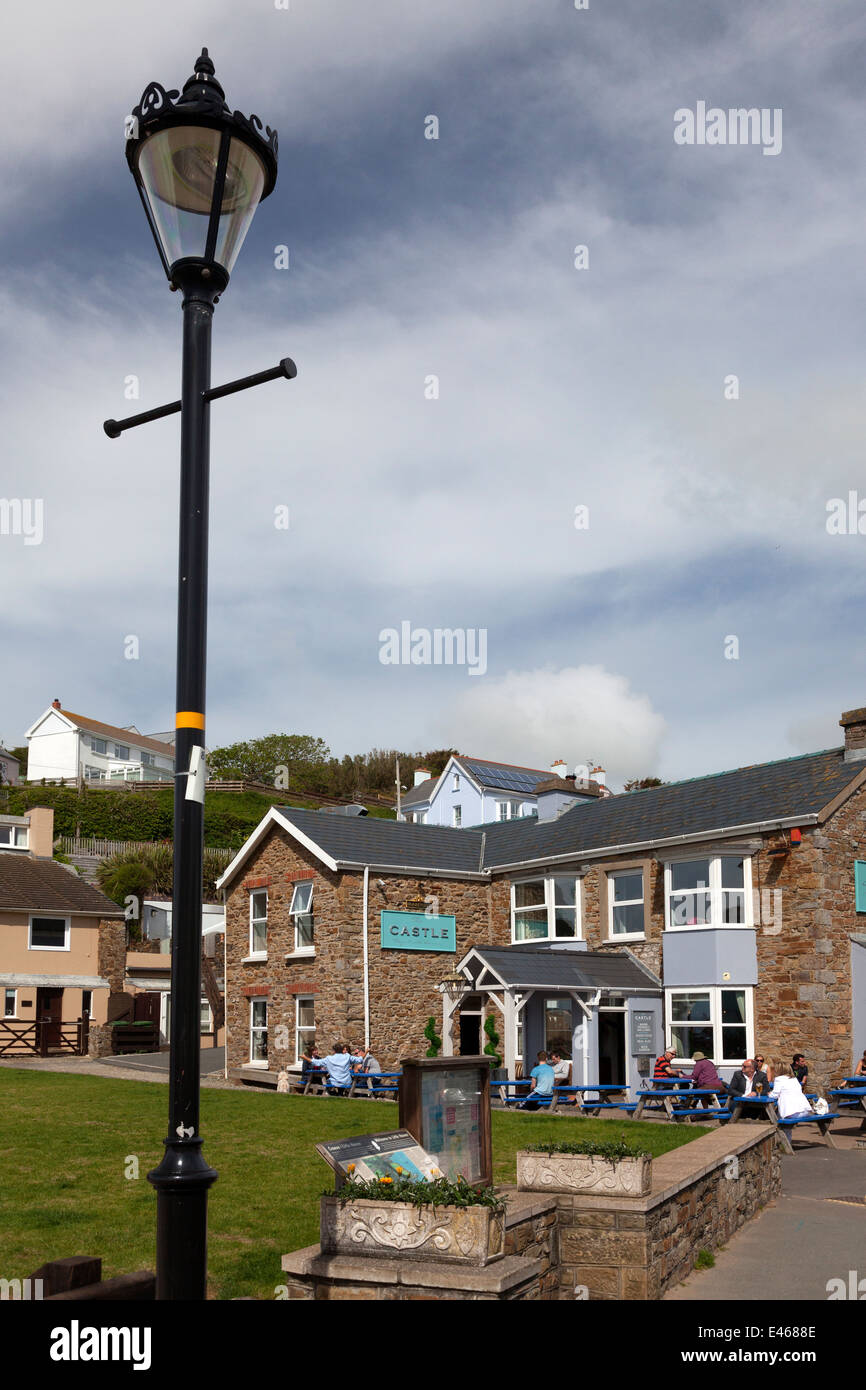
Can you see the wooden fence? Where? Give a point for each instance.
(43, 1038)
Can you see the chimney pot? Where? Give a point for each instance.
(55, 704)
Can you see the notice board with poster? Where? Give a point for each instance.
(445, 1104)
(389, 1154)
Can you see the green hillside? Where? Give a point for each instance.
(123, 814)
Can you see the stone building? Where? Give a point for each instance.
(722, 914)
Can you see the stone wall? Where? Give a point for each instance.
(111, 953)
(403, 993)
(589, 1248)
(637, 1248)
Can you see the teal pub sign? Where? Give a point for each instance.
(415, 931)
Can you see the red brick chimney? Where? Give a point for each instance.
(854, 724)
(55, 704)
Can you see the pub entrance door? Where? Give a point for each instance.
(611, 1047)
(470, 1026)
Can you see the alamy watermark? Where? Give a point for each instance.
(439, 646)
(737, 126)
(23, 516)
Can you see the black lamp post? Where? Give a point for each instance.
(201, 170)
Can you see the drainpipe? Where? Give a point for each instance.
(366, 959)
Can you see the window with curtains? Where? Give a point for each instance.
(259, 1032)
(715, 1021)
(712, 891)
(625, 903)
(301, 914)
(545, 908)
(259, 922)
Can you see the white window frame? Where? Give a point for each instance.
(14, 1012)
(121, 751)
(300, 1044)
(715, 1019)
(256, 953)
(456, 817)
(308, 948)
(19, 836)
(550, 905)
(714, 888)
(48, 917)
(628, 902)
(147, 759)
(99, 745)
(258, 1028)
(455, 786)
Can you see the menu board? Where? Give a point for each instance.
(643, 1032)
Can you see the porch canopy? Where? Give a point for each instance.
(510, 976)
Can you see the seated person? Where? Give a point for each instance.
(541, 1084)
(800, 1068)
(339, 1066)
(767, 1068)
(705, 1077)
(663, 1069)
(561, 1069)
(788, 1095)
(741, 1083)
(859, 1071)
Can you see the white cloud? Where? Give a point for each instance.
(575, 713)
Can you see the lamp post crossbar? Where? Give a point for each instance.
(284, 368)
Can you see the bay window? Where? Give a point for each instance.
(710, 891)
(543, 909)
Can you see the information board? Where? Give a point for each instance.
(643, 1034)
(445, 1103)
(379, 1156)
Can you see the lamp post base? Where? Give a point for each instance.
(181, 1181)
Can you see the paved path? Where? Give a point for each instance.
(145, 1066)
(805, 1238)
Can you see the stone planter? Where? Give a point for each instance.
(584, 1173)
(457, 1235)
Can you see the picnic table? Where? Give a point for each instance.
(851, 1098)
(661, 1096)
(606, 1097)
(784, 1128)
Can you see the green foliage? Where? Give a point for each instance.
(145, 872)
(611, 1149)
(432, 1037)
(705, 1259)
(261, 760)
(492, 1040)
(440, 1192)
(637, 784)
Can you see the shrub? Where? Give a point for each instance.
(440, 1192)
(432, 1037)
(611, 1149)
(492, 1040)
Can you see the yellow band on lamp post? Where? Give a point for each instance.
(188, 719)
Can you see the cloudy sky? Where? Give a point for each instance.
(607, 387)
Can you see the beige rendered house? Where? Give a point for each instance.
(62, 945)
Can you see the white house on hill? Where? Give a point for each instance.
(473, 791)
(66, 745)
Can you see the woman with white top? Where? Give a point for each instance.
(788, 1094)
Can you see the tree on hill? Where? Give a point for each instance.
(639, 783)
(144, 873)
(293, 760)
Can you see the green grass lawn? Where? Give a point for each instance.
(66, 1141)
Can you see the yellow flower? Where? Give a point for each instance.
(386, 1179)
(397, 1168)
(350, 1168)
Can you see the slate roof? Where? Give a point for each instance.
(784, 790)
(547, 968)
(41, 885)
(400, 844)
(790, 789)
